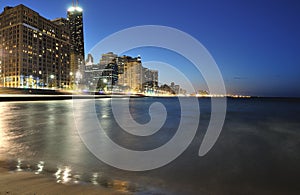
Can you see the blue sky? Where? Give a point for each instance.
(256, 43)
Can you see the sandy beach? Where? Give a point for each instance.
(12, 182)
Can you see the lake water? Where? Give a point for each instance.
(258, 151)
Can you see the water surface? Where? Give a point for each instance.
(256, 153)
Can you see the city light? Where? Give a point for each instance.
(71, 9)
(120, 74)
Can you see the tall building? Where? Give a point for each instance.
(150, 79)
(90, 60)
(75, 18)
(108, 58)
(106, 71)
(110, 70)
(93, 73)
(130, 72)
(120, 74)
(34, 51)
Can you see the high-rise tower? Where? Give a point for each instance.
(75, 18)
(34, 51)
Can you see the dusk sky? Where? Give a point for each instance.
(255, 43)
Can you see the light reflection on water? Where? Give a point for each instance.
(258, 148)
(42, 136)
(19, 165)
(40, 166)
(65, 175)
(3, 135)
(94, 179)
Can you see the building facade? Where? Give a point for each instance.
(150, 80)
(130, 73)
(92, 75)
(119, 74)
(104, 72)
(75, 18)
(108, 58)
(34, 51)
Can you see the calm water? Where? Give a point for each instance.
(258, 151)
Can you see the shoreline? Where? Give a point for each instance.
(22, 182)
(23, 94)
(22, 97)
(40, 97)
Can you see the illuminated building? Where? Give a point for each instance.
(150, 79)
(75, 18)
(34, 51)
(108, 58)
(106, 69)
(130, 73)
(93, 72)
(124, 73)
(90, 60)
(110, 74)
(120, 74)
(175, 88)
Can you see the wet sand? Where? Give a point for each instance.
(12, 182)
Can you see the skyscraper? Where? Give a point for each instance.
(130, 72)
(34, 51)
(75, 18)
(150, 79)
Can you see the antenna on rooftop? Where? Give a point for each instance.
(73, 3)
(77, 3)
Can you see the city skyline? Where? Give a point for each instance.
(38, 53)
(255, 44)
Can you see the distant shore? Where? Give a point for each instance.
(12, 98)
(24, 94)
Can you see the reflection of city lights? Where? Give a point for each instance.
(66, 175)
(40, 166)
(76, 179)
(58, 175)
(63, 175)
(94, 178)
(3, 129)
(121, 185)
(19, 165)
